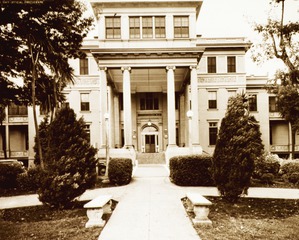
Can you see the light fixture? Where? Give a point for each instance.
(149, 123)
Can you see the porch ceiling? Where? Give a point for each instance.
(149, 79)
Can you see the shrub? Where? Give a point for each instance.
(290, 172)
(9, 174)
(70, 161)
(266, 168)
(238, 145)
(31, 179)
(120, 171)
(191, 170)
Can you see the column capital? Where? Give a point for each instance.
(126, 68)
(103, 69)
(193, 67)
(170, 68)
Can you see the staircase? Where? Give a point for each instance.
(151, 158)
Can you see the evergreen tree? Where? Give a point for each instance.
(238, 145)
(69, 160)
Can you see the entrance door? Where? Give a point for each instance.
(150, 144)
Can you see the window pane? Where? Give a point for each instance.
(211, 64)
(231, 64)
(147, 27)
(83, 66)
(253, 102)
(181, 26)
(84, 97)
(134, 27)
(212, 102)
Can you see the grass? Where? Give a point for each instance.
(251, 219)
(41, 222)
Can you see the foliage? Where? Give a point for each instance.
(290, 172)
(69, 159)
(9, 174)
(266, 168)
(30, 180)
(43, 132)
(120, 171)
(191, 170)
(239, 143)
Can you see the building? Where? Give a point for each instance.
(150, 84)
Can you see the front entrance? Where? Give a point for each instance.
(150, 142)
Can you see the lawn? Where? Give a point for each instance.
(41, 222)
(252, 219)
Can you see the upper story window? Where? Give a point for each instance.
(112, 27)
(211, 64)
(231, 64)
(252, 102)
(212, 102)
(17, 110)
(147, 27)
(134, 27)
(84, 101)
(83, 66)
(160, 27)
(149, 101)
(181, 26)
(273, 104)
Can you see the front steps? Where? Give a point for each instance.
(151, 158)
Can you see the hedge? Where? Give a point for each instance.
(120, 171)
(191, 170)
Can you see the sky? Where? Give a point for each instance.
(234, 18)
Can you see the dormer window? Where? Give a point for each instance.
(112, 27)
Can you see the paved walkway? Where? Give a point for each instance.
(149, 207)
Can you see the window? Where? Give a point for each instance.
(181, 27)
(160, 27)
(231, 64)
(112, 27)
(253, 102)
(211, 64)
(151, 27)
(83, 66)
(147, 27)
(273, 104)
(212, 100)
(213, 132)
(65, 105)
(84, 97)
(149, 102)
(17, 110)
(232, 93)
(87, 130)
(134, 27)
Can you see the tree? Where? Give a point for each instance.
(280, 41)
(70, 163)
(40, 38)
(238, 145)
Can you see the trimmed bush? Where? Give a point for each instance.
(9, 174)
(31, 179)
(266, 168)
(191, 170)
(290, 172)
(120, 171)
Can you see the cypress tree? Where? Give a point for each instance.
(238, 145)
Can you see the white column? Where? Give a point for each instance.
(194, 106)
(127, 106)
(104, 104)
(171, 106)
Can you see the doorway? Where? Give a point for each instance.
(150, 142)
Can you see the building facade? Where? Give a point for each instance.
(150, 84)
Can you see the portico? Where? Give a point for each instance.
(149, 93)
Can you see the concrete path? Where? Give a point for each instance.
(150, 210)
